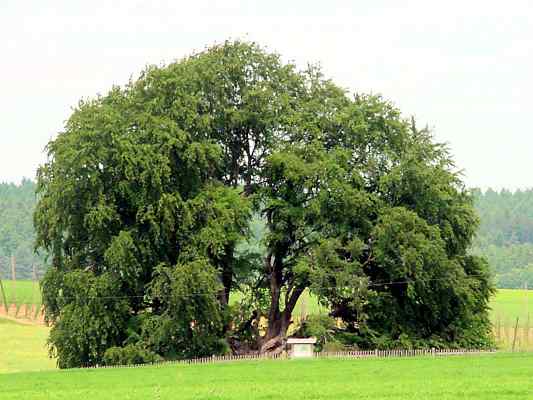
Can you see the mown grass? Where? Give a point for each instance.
(481, 377)
(23, 347)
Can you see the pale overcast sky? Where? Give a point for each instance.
(463, 67)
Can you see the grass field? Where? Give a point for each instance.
(22, 347)
(21, 292)
(508, 304)
(502, 376)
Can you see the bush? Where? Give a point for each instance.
(190, 322)
(130, 354)
(334, 346)
(320, 326)
(91, 317)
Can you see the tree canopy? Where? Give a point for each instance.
(146, 202)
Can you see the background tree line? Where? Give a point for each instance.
(17, 235)
(505, 235)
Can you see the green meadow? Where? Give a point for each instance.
(21, 292)
(457, 377)
(23, 347)
(510, 304)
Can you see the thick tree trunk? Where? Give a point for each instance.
(278, 321)
(276, 332)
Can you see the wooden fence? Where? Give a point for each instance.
(362, 354)
(26, 312)
(513, 336)
(344, 355)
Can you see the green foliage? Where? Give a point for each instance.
(189, 319)
(382, 241)
(88, 314)
(150, 190)
(129, 355)
(133, 190)
(432, 299)
(320, 326)
(516, 277)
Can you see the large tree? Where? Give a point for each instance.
(149, 192)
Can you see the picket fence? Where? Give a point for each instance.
(344, 355)
(362, 354)
(26, 312)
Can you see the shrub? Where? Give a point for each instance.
(320, 326)
(130, 354)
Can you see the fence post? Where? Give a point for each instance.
(14, 278)
(4, 297)
(514, 336)
(34, 286)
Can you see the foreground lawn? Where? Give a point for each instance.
(502, 376)
(22, 348)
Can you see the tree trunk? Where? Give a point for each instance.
(278, 321)
(226, 273)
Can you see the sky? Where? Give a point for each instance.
(464, 68)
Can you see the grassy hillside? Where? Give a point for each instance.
(23, 347)
(422, 378)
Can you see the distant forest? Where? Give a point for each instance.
(16, 230)
(505, 236)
